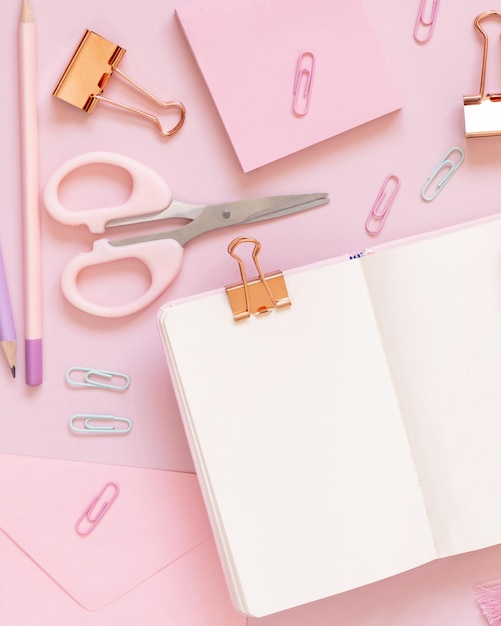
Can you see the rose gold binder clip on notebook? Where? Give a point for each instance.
(482, 112)
(88, 72)
(258, 295)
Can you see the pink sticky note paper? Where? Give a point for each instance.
(248, 53)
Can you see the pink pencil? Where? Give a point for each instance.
(30, 195)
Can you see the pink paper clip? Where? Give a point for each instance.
(379, 211)
(424, 27)
(303, 82)
(90, 517)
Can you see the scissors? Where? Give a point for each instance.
(151, 199)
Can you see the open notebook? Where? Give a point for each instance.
(355, 434)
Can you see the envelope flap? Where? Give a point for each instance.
(151, 518)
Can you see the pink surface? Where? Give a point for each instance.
(200, 165)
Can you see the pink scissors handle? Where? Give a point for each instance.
(150, 193)
(162, 257)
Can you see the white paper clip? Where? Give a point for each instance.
(97, 378)
(303, 82)
(424, 27)
(445, 164)
(379, 211)
(95, 424)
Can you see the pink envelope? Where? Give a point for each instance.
(149, 559)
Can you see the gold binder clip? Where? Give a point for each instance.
(482, 112)
(260, 294)
(88, 72)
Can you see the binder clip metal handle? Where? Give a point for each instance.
(478, 19)
(149, 116)
(482, 112)
(83, 82)
(257, 295)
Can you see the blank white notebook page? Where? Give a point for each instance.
(298, 441)
(438, 302)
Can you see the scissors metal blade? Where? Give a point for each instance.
(232, 213)
(175, 209)
(278, 206)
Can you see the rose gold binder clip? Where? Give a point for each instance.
(88, 72)
(258, 295)
(482, 112)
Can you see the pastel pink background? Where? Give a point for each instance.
(200, 165)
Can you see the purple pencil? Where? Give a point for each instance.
(7, 329)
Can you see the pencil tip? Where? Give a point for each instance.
(13, 370)
(27, 12)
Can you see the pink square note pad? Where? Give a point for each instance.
(248, 51)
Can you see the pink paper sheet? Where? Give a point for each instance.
(248, 51)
